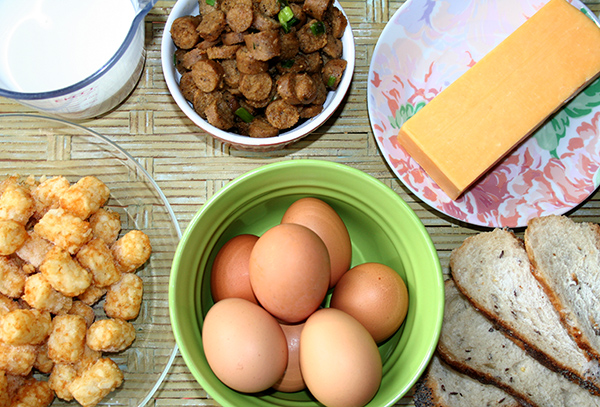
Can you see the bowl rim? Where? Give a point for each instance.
(334, 99)
(149, 179)
(437, 309)
(140, 10)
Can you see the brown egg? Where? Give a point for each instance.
(292, 380)
(244, 345)
(375, 295)
(229, 276)
(289, 271)
(322, 219)
(339, 359)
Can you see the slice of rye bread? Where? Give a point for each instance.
(566, 261)
(493, 271)
(472, 345)
(444, 386)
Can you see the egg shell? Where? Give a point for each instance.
(339, 359)
(229, 276)
(244, 345)
(322, 219)
(289, 271)
(292, 380)
(375, 295)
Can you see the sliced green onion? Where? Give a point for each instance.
(331, 81)
(210, 2)
(283, 3)
(286, 14)
(245, 115)
(318, 28)
(286, 18)
(287, 64)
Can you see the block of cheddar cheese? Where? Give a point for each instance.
(479, 118)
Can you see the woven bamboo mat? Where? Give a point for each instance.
(190, 166)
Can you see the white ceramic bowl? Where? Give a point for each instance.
(42, 146)
(172, 76)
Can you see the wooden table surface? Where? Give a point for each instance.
(190, 166)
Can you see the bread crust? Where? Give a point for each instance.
(569, 318)
(471, 344)
(494, 248)
(444, 386)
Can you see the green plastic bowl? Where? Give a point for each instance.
(382, 228)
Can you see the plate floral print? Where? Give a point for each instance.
(426, 45)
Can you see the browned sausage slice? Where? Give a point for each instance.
(256, 86)
(310, 111)
(305, 88)
(183, 31)
(264, 45)
(232, 38)
(240, 18)
(309, 41)
(260, 128)
(281, 115)
(231, 75)
(316, 8)
(212, 25)
(219, 114)
(337, 21)
(334, 47)
(207, 74)
(247, 64)
(191, 57)
(333, 71)
(202, 100)
(269, 8)
(286, 88)
(262, 22)
(188, 86)
(222, 51)
(289, 46)
(314, 62)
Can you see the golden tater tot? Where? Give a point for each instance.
(106, 225)
(96, 257)
(12, 236)
(87, 312)
(88, 358)
(16, 204)
(95, 382)
(7, 304)
(43, 363)
(110, 335)
(64, 273)
(92, 295)
(64, 229)
(17, 381)
(62, 375)
(12, 278)
(39, 294)
(132, 250)
(17, 359)
(46, 194)
(25, 327)
(67, 339)
(34, 249)
(4, 395)
(33, 394)
(85, 197)
(12, 179)
(124, 298)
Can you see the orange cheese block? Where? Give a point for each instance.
(503, 98)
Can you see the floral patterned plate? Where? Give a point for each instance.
(425, 46)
